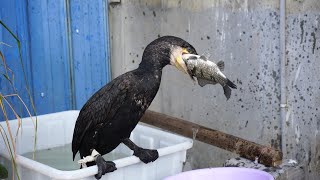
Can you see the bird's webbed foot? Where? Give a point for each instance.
(146, 155)
(104, 166)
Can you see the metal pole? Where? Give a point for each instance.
(283, 87)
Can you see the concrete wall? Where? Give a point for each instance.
(245, 34)
(303, 84)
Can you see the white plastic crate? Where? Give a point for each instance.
(56, 130)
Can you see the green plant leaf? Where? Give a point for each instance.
(7, 77)
(3, 172)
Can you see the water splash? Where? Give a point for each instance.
(189, 163)
(195, 131)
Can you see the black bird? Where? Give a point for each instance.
(109, 116)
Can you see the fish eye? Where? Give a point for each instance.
(190, 50)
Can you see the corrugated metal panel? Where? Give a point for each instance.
(64, 48)
(49, 52)
(89, 47)
(14, 15)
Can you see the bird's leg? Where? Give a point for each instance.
(145, 155)
(103, 165)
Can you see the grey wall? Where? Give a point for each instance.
(303, 83)
(245, 34)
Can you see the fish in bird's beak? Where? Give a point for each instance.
(208, 72)
(177, 60)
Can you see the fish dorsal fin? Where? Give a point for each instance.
(220, 64)
(203, 82)
(204, 58)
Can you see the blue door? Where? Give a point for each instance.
(65, 51)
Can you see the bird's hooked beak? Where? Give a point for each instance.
(176, 59)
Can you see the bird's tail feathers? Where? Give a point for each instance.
(74, 155)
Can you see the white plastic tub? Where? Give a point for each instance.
(56, 130)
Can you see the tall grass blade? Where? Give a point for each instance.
(12, 155)
(11, 144)
(26, 81)
(7, 122)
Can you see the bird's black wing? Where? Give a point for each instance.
(100, 108)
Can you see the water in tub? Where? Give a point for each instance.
(61, 157)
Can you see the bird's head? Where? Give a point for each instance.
(167, 50)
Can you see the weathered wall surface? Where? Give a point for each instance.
(245, 34)
(303, 84)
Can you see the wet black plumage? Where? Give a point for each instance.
(112, 113)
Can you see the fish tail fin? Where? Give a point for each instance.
(227, 91)
(231, 84)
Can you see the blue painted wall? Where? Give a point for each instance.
(64, 48)
(89, 38)
(49, 54)
(15, 17)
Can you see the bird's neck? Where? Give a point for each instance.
(151, 66)
(154, 61)
(150, 72)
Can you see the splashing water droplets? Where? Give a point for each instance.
(194, 132)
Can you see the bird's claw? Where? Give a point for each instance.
(104, 166)
(146, 155)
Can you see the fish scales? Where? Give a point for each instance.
(208, 72)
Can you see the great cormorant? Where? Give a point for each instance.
(109, 116)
